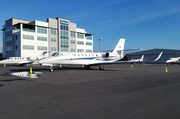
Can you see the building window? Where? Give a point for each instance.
(53, 49)
(9, 38)
(80, 42)
(80, 50)
(39, 38)
(17, 37)
(73, 42)
(8, 48)
(42, 30)
(28, 47)
(8, 29)
(88, 43)
(41, 48)
(53, 31)
(16, 47)
(73, 34)
(80, 35)
(88, 50)
(64, 35)
(53, 39)
(73, 50)
(28, 37)
(64, 49)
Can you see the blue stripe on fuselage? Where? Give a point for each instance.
(84, 58)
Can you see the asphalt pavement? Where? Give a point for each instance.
(118, 92)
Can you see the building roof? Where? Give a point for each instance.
(155, 50)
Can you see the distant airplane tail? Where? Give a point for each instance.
(119, 49)
(142, 58)
(158, 57)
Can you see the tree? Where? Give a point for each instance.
(1, 56)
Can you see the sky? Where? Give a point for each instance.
(145, 24)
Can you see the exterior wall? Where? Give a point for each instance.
(72, 28)
(15, 21)
(35, 43)
(52, 25)
(84, 47)
(16, 28)
(8, 34)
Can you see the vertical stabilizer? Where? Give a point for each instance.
(119, 47)
(158, 56)
(142, 58)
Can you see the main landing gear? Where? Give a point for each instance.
(89, 67)
(85, 67)
(101, 67)
(51, 69)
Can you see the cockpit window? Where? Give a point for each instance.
(55, 54)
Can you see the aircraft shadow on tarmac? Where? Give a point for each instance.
(9, 80)
(1, 85)
(15, 79)
(62, 68)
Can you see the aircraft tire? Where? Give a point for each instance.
(51, 70)
(101, 67)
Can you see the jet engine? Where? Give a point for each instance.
(108, 54)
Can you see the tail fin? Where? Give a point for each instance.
(41, 55)
(119, 49)
(142, 57)
(158, 56)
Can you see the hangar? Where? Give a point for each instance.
(153, 53)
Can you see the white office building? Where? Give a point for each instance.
(25, 38)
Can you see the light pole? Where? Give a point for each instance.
(99, 43)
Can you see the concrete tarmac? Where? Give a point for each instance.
(118, 92)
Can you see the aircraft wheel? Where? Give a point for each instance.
(51, 70)
(101, 67)
(88, 67)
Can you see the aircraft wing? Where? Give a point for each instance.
(25, 62)
(107, 62)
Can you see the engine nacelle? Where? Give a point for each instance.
(108, 54)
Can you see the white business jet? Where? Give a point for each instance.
(22, 60)
(173, 60)
(142, 60)
(136, 60)
(85, 58)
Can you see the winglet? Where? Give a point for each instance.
(158, 56)
(119, 47)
